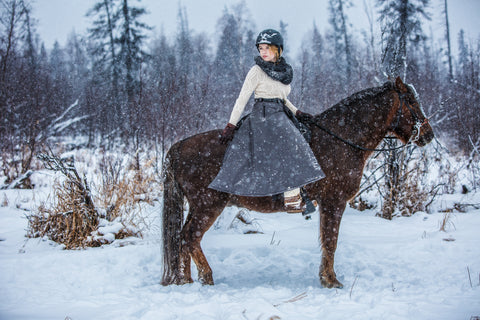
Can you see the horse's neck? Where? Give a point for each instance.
(380, 118)
(365, 121)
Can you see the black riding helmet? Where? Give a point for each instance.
(270, 36)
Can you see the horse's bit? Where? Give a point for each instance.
(418, 123)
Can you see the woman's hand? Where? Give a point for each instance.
(304, 117)
(227, 134)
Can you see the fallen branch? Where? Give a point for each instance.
(469, 277)
(353, 284)
(18, 182)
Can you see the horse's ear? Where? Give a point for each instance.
(400, 85)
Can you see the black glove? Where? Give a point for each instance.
(304, 117)
(227, 134)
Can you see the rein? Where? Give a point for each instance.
(350, 143)
(415, 131)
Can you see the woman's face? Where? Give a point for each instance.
(266, 52)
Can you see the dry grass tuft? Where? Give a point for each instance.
(70, 221)
(76, 221)
(358, 203)
(122, 191)
(4, 201)
(446, 222)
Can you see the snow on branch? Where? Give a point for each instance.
(18, 182)
(475, 146)
(68, 169)
(466, 86)
(60, 123)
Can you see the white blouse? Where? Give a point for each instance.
(264, 87)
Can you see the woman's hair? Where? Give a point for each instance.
(277, 51)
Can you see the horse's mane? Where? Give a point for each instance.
(369, 92)
(358, 97)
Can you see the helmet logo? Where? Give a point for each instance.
(264, 37)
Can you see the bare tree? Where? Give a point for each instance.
(11, 22)
(401, 26)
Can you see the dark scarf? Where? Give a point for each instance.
(280, 71)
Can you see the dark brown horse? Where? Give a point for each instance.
(343, 137)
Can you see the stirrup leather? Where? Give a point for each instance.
(294, 204)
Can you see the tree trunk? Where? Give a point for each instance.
(449, 52)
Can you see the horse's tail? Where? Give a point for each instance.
(172, 218)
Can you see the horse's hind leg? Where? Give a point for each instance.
(198, 222)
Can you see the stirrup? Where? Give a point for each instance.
(294, 204)
(310, 206)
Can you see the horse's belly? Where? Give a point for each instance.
(259, 204)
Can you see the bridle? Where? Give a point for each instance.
(418, 122)
(415, 135)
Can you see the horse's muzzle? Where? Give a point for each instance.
(426, 136)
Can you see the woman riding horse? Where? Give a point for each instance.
(342, 139)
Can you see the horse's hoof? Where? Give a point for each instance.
(184, 281)
(331, 283)
(176, 281)
(206, 280)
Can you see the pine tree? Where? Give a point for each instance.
(103, 35)
(401, 26)
(466, 94)
(310, 79)
(106, 64)
(132, 56)
(462, 53)
(226, 66)
(77, 64)
(163, 80)
(341, 38)
(283, 28)
(184, 49)
(117, 36)
(131, 38)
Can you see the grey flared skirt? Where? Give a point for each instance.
(268, 155)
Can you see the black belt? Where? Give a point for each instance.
(277, 100)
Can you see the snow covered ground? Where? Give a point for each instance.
(401, 269)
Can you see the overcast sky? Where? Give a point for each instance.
(58, 18)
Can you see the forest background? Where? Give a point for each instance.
(121, 86)
(102, 108)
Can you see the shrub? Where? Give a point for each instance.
(75, 220)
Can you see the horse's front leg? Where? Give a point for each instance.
(331, 215)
